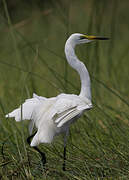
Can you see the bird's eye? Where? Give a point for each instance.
(82, 37)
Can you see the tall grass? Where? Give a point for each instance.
(32, 60)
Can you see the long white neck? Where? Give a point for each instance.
(80, 68)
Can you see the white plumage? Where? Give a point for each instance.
(53, 116)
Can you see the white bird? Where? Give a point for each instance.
(53, 116)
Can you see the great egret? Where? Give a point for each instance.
(53, 116)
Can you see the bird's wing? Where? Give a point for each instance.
(39, 97)
(67, 117)
(67, 109)
(25, 111)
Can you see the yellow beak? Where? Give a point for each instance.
(95, 37)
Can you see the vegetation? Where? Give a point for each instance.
(33, 34)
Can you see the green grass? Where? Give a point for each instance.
(32, 60)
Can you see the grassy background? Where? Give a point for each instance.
(33, 34)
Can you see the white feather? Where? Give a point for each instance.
(52, 116)
(25, 111)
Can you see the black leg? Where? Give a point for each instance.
(29, 138)
(42, 155)
(65, 142)
(37, 149)
(64, 159)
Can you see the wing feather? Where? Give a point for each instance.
(68, 107)
(69, 116)
(60, 116)
(25, 111)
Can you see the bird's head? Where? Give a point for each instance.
(78, 38)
